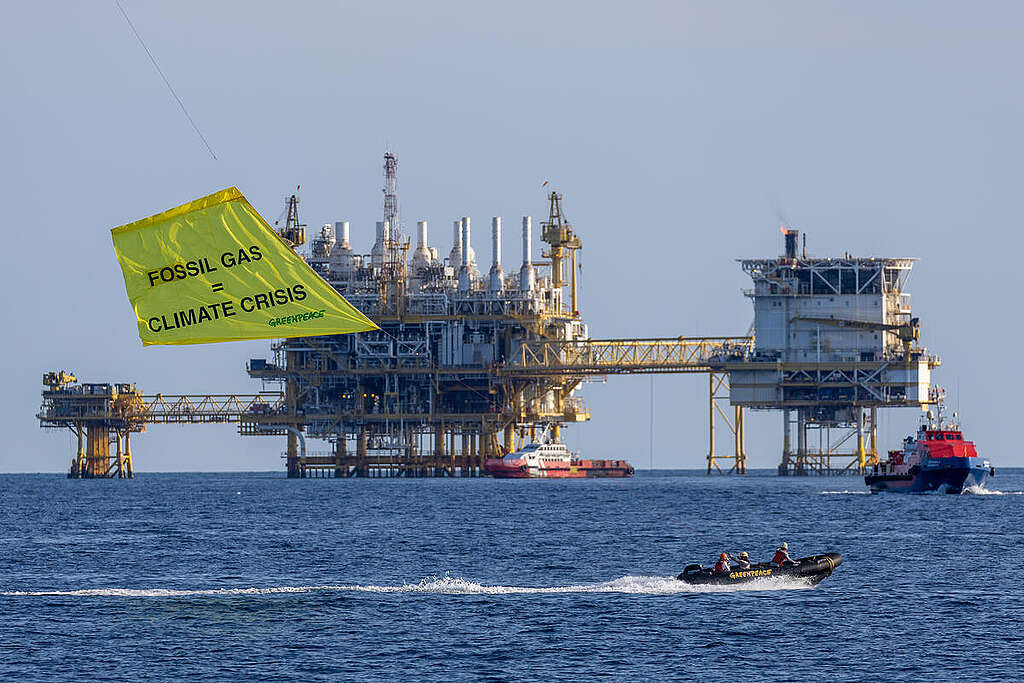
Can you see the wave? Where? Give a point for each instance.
(982, 491)
(443, 585)
(973, 490)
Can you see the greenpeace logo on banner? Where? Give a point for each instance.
(292, 319)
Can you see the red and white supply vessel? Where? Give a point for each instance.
(538, 460)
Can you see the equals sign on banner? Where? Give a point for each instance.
(218, 286)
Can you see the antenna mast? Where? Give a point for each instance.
(393, 273)
(391, 195)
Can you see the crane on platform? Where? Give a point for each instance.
(293, 232)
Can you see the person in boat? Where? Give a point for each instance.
(723, 563)
(743, 561)
(781, 555)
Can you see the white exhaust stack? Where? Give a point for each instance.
(497, 275)
(421, 257)
(341, 233)
(465, 275)
(455, 256)
(342, 260)
(421, 237)
(527, 276)
(377, 253)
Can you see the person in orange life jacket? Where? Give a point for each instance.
(723, 563)
(781, 555)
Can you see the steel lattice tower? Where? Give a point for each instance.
(391, 195)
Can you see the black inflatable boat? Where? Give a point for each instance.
(813, 570)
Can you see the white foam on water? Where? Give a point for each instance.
(982, 491)
(845, 492)
(164, 592)
(444, 585)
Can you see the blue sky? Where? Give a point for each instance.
(674, 130)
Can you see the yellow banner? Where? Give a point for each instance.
(212, 270)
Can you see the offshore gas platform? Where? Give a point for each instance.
(469, 365)
(835, 341)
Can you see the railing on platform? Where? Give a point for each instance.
(133, 409)
(633, 356)
(175, 408)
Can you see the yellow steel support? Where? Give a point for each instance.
(78, 465)
(739, 444)
(97, 455)
(718, 393)
(118, 457)
(860, 440)
(711, 423)
(786, 448)
(129, 467)
(873, 454)
(510, 440)
(572, 287)
(362, 470)
(828, 457)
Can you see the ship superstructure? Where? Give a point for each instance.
(553, 461)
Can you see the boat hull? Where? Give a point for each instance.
(813, 570)
(952, 477)
(574, 469)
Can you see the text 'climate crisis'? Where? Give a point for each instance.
(202, 266)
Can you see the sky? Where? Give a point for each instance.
(677, 132)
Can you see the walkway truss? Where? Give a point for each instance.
(602, 357)
(105, 415)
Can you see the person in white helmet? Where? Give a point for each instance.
(781, 555)
(743, 561)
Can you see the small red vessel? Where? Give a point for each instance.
(939, 459)
(553, 460)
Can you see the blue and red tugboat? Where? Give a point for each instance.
(938, 459)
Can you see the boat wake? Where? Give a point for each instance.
(443, 585)
(845, 492)
(982, 491)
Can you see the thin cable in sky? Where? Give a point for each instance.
(166, 82)
(652, 422)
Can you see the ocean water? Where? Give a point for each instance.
(257, 577)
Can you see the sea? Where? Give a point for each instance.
(253, 576)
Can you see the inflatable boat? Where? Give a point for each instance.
(813, 570)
